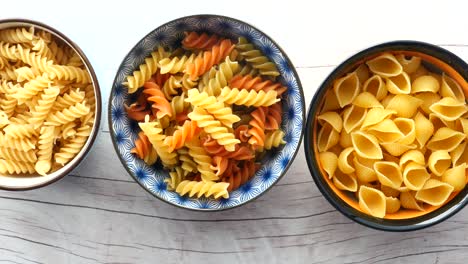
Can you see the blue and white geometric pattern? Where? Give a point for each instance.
(124, 131)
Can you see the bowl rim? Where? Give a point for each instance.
(294, 72)
(456, 63)
(97, 93)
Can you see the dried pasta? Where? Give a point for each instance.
(395, 134)
(209, 109)
(45, 115)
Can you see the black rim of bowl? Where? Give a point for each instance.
(97, 93)
(426, 220)
(296, 76)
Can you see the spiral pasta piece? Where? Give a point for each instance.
(222, 76)
(8, 51)
(256, 58)
(17, 35)
(187, 162)
(68, 130)
(40, 112)
(17, 155)
(16, 167)
(144, 150)
(69, 73)
(257, 130)
(241, 176)
(193, 40)
(33, 59)
(274, 139)
(176, 64)
(214, 128)
(182, 135)
(40, 46)
(23, 144)
(67, 115)
(202, 159)
(31, 88)
(18, 131)
(156, 96)
(171, 86)
(206, 189)
(248, 82)
(68, 99)
(273, 118)
(204, 63)
(46, 144)
(147, 69)
(73, 146)
(248, 98)
(175, 177)
(213, 106)
(156, 138)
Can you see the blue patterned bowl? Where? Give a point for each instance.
(124, 131)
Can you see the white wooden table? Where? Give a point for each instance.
(98, 214)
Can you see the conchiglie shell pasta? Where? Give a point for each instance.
(428, 99)
(407, 127)
(389, 174)
(449, 108)
(353, 116)
(419, 72)
(367, 100)
(332, 118)
(346, 182)
(456, 177)
(414, 155)
(445, 139)
(375, 116)
(385, 65)
(439, 123)
(366, 145)
(364, 169)
(362, 72)
(389, 192)
(396, 148)
(372, 201)
(387, 100)
(450, 88)
(330, 103)
(423, 129)
(410, 65)
(345, 160)
(345, 139)
(376, 86)
(460, 154)
(405, 105)
(400, 84)
(414, 176)
(346, 89)
(434, 192)
(425, 83)
(327, 138)
(408, 201)
(461, 125)
(329, 163)
(439, 161)
(392, 205)
(386, 131)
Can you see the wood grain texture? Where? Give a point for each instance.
(98, 214)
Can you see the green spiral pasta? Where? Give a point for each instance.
(256, 58)
(188, 83)
(171, 86)
(203, 188)
(213, 106)
(214, 128)
(16, 167)
(248, 98)
(274, 139)
(44, 105)
(179, 105)
(72, 147)
(226, 70)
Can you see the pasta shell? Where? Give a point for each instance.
(345, 160)
(407, 127)
(461, 125)
(386, 131)
(330, 102)
(450, 88)
(346, 89)
(439, 161)
(385, 65)
(425, 83)
(449, 109)
(397, 149)
(389, 192)
(364, 169)
(372, 201)
(387, 100)
(366, 145)
(423, 129)
(414, 155)
(428, 99)
(327, 138)
(392, 205)
(345, 139)
(400, 84)
(434, 192)
(456, 177)
(410, 65)
(445, 139)
(353, 116)
(414, 176)
(405, 105)
(408, 201)
(438, 123)
(346, 182)
(329, 163)
(376, 86)
(367, 100)
(460, 154)
(362, 73)
(389, 174)
(332, 118)
(375, 116)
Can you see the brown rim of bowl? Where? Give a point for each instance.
(20, 22)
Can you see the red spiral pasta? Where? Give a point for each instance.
(142, 146)
(249, 82)
(156, 96)
(160, 78)
(204, 63)
(204, 41)
(257, 130)
(137, 111)
(220, 164)
(242, 133)
(273, 117)
(182, 135)
(241, 176)
(241, 152)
